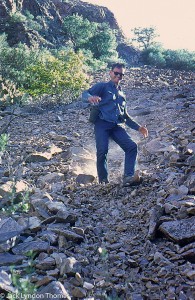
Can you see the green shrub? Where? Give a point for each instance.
(180, 59)
(4, 137)
(9, 94)
(78, 30)
(27, 18)
(3, 42)
(17, 203)
(98, 38)
(92, 64)
(17, 17)
(154, 56)
(173, 59)
(31, 22)
(21, 280)
(38, 72)
(13, 61)
(54, 75)
(103, 43)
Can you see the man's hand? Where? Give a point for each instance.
(94, 99)
(143, 130)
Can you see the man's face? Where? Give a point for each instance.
(117, 74)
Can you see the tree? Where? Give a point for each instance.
(154, 56)
(98, 38)
(78, 30)
(103, 42)
(3, 42)
(144, 36)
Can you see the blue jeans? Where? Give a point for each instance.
(105, 130)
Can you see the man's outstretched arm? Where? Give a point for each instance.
(134, 125)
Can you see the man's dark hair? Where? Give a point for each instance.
(117, 65)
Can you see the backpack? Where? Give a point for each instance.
(94, 113)
(94, 109)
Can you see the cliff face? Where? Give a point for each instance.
(49, 14)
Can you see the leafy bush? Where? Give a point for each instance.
(4, 137)
(31, 22)
(53, 75)
(16, 203)
(27, 18)
(98, 38)
(17, 17)
(38, 72)
(92, 64)
(21, 280)
(153, 56)
(13, 61)
(9, 94)
(3, 42)
(180, 59)
(173, 59)
(78, 30)
(103, 42)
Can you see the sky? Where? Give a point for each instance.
(174, 20)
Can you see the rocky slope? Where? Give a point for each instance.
(103, 242)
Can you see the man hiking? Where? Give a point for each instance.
(111, 113)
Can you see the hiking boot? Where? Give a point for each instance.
(104, 181)
(132, 180)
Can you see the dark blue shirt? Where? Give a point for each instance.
(113, 105)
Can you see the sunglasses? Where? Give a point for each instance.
(117, 73)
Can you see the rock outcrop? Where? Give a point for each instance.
(49, 14)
